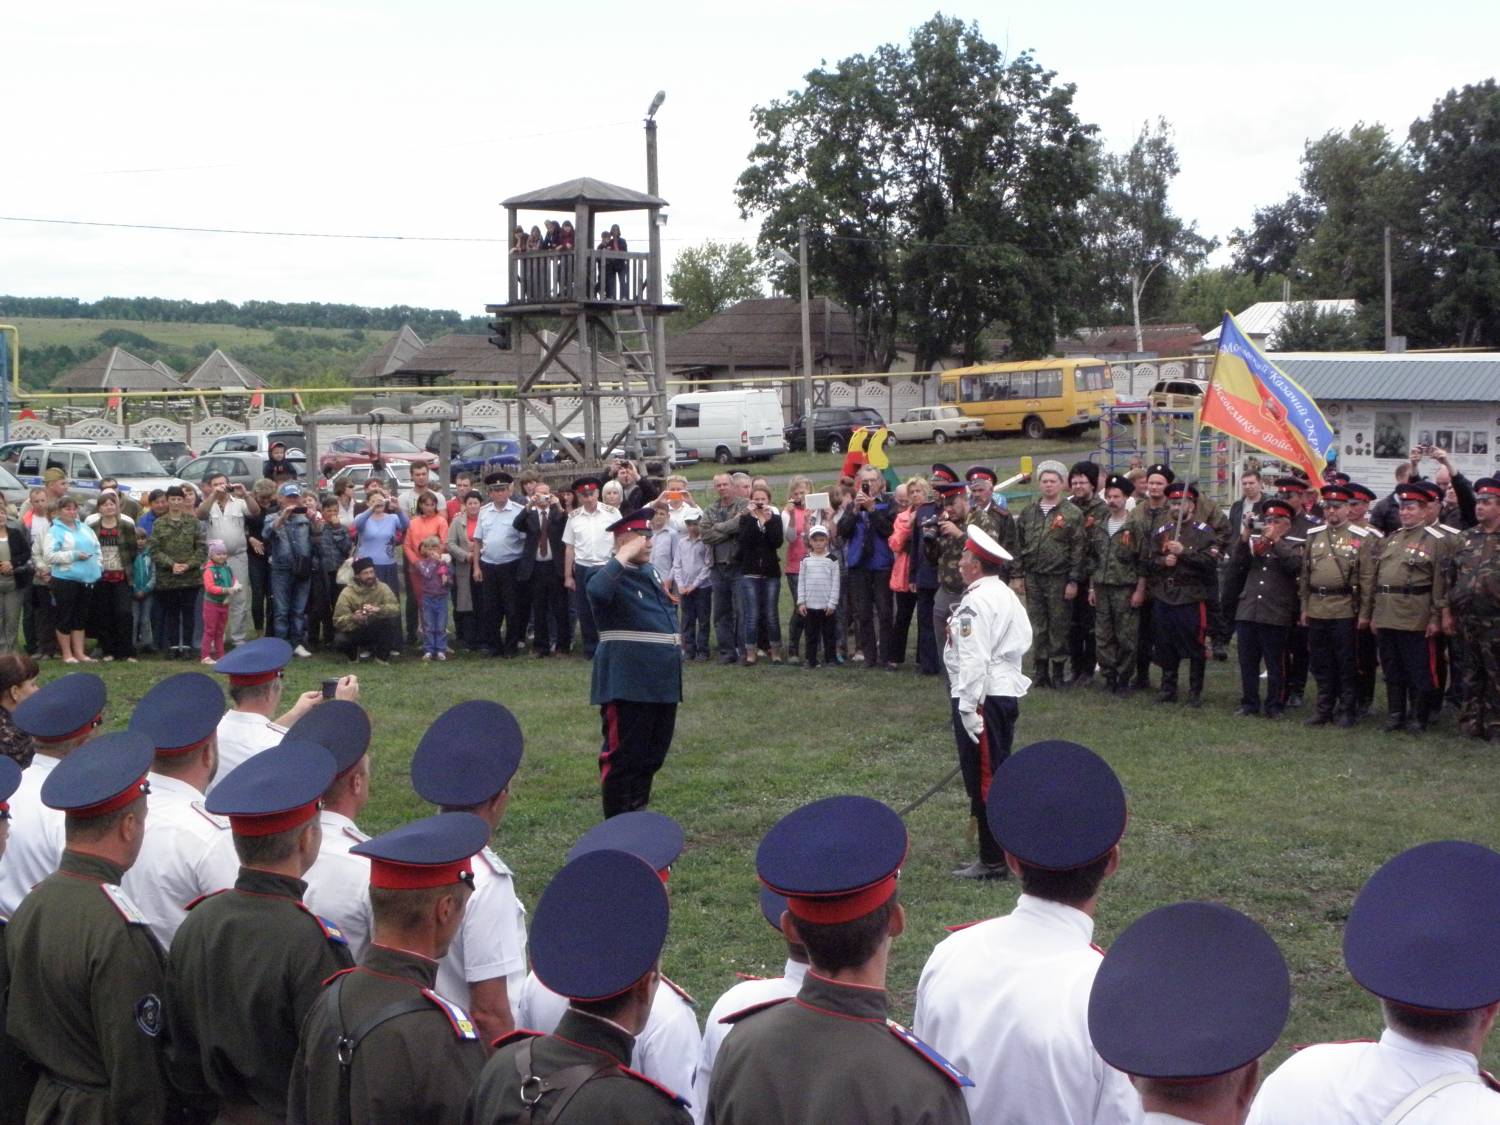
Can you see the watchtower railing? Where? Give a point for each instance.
(545, 277)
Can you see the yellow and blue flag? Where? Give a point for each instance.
(1252, 399)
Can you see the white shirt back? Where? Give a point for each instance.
(491, 940)
(242, 735)
(338, 884)
(1359, 1083)
(188, 852)
(36, 837)
(1006, 1001)
(746, 994)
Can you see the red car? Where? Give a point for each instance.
(362, 449)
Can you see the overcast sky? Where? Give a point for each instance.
(418, 118)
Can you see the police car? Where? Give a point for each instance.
(85, 463)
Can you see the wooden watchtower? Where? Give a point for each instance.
(600, 301)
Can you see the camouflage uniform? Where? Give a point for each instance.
(1402, 590)
(1002, 527)
(1082, 649)
(1181, 594)
(1474, 597)
(1329, 590)
(1115, 569)
(1145, 519)
(1052, 555)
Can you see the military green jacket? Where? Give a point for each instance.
(1269, 594)
(1332, 562)
(1116, 559)
(832, 1054)
(1051, 542)
(178, 540)
(1473, 574)
(85, 997)
(17, 1071)
(1095, 512)
(1001, 526)
(419, 1066)
(617, 1096)
(245, 967)
(1403, 584)
(1192, 578)
(944, 551)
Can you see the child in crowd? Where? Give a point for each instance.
(663, 544)
(432, 588)
(692, 561)
(218, 584)
(142, 582)
(818, 595)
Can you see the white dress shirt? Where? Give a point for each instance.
(242, 735)
(491, 940)
(592, 545)
(36, 836)
(1006, 1001)
(667, 1049)
(338, 884)
(988, 637)
(187, 852)
(1359, 1083)
(746, 994)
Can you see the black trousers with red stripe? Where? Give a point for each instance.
(637, 737)
(979, 761)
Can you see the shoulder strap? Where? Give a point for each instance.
(565, 1083)
(349, 1042)
(1422, 1093)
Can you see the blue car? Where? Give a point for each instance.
(498, 451)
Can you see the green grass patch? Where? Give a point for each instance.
(1276, 819)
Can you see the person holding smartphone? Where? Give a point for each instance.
(226, 507)
(865, 529)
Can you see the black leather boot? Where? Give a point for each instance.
(1195, 683)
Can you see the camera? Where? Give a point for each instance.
(929, 527)
(1258, 524)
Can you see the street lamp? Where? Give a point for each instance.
(664, 442)
(807, 381)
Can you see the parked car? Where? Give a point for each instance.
(548, 451)
(938, 424)
(498, 451)
(831, 426)
(172, 454)
(86, 463)
(10, 452)
(396, 474)
(459, 438)
(240, 468)
(1178, 394)
(16, 494)
(743, 425)
(259, 442)
(361, 449)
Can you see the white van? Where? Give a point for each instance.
(728, 425)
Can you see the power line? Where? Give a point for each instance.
(260, 233)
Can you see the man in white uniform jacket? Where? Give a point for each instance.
(59, 717)
(988, 637)
(1187, 1001)
(338, 884)
(1006, 1000)
(749, 993)
(465, 763)
(255, 671)
(187, 852)
(1422, 937)
(667, 1049)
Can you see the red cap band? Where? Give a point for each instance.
(388, 875)
(179, 751)
(118, 801)
(832, 909)
(88, 726)
(272, 823)
(632, 527)
(1487, 490)
(251, 679)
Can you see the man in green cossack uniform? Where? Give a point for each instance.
(1117, 588)
(1083, 486)
(1048, 570)
(1181, 560)
(1473, 613)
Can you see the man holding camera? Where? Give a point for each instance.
(865, 528)
(225, 507)
(540, 569)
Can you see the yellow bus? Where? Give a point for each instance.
(1032, 396)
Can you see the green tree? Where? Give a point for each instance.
(941, 183)
(1133, 233)
(1305, 327)
(1456, 165)
(707, 279)
(1203, 296)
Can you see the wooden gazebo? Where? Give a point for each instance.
(607, 300)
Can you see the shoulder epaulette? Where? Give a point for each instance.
(521, 1032)
(1360, 531)
(492, 861)
(1434, 532)
(1097, 948)
(1375, 531)
(330, 929)
(1329, 1043)
(335, 976)
(1292, 539)
(204, 898)
(751, 976)
(463, 1026)
(735, 1017)
(957, 926)
(121, 902)
(1315, 530)
(677, 988)
(1203, 527)
(355, 834)
(1489, 1080)
(1449, 530)
(946, 1068)
(671, 1095)
(213, 818)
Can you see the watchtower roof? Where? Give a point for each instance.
(599, 195)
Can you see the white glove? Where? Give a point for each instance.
(973, 723)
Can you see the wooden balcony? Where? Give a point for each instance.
(592, 277)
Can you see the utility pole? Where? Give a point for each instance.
(665, 445)
(1388, 287)
(807, 362)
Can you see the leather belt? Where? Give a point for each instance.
(641, 637)
(1404, 589)
(1333, 591)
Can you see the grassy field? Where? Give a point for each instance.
(1278, 820)
(40, 332)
